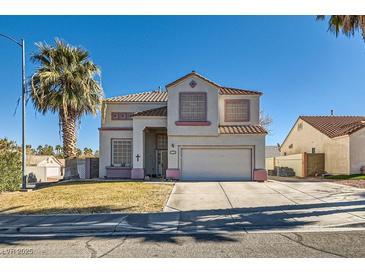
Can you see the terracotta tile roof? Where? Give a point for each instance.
(149, 96)
(161, 96)
(244, 129)
(237, 91)
(334, 126)
(162, 111)
(191, 74)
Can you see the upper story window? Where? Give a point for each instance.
(237, 110)
(122, 152)
(122, 115)
(193, 106)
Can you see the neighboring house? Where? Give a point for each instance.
(196, 130)
(272, 151)
(44, 168)
(340, 138)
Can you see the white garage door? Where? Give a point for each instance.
(53, 172)
(216, 164)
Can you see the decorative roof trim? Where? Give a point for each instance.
(242, 129)
(238, 91)
(193, 73)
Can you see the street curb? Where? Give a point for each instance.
(177, 233)
(110, 230)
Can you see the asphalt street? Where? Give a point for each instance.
(241, 245)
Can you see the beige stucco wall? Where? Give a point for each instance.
(254, 109)
(139, 124)
(357, 151)
(105, 138)
(304, 140)
(337, 155)
(108, 108)
(257, 142)
(212, 108)
(336, 150)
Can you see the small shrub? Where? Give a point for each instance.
(10, 166)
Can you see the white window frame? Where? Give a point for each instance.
(126, 160)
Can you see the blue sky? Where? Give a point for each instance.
(301, 68)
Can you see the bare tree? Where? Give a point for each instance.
(265, 121)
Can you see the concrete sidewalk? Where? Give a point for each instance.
(217, 208)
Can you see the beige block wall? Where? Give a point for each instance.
(270, 163)
(255, 141)
(108, 108)
(254, 109)
(294, 161)
(357, 151)
(212, 108)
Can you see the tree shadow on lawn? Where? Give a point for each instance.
(90, 182)
(63, 210)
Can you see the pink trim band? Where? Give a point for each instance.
(173, 173)
(137, 173)
(183, 123)
(115, 128)
(118, 172)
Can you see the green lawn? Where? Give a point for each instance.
(347, 177)
(87, 197)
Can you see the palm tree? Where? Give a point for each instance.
(58, 150)
(64, 83)
(39, 150)
(347, 24)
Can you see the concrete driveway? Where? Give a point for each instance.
(263, 206)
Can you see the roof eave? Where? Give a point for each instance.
(193, 73)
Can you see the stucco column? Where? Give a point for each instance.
(173, 171)
(138, 151)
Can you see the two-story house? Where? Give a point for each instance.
(195, 130)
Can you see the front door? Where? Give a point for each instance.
(161, 162)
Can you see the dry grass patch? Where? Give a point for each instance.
(88, 197)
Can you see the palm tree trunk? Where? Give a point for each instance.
(68, 124)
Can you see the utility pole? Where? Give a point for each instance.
(22, 45)
(24, 150)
